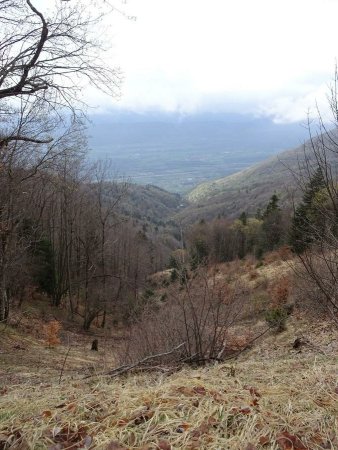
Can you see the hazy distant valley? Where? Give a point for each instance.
(178, 153)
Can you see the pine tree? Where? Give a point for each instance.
(199, 253)
(272, 225)
(243, 218)
(306, 215)
(173, 264)
(272, 206)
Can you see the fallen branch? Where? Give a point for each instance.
(126, 368)
(168, 370)
(190, 359)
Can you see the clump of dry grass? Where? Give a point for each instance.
(219, 407)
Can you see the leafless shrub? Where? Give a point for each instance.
(199, 314)
(315, 287)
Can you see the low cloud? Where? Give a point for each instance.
(264, 58)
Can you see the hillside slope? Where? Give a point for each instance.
(151, 203)
(269, 396)
(261, 402)
(248, 189)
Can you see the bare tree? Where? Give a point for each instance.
(314, 233)
(51, 51)
(46, 58)
(22, 165)
(107, 196)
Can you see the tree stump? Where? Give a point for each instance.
(95, 345)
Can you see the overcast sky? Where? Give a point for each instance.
(274, 57)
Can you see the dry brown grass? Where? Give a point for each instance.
(270, 391)
(206, 408)
(25, 359)
(267, 399)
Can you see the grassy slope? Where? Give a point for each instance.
(261, 173)
(206, 408)
(209, 408)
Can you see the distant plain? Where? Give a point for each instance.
(178, 152)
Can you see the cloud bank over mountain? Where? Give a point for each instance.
(271, 58)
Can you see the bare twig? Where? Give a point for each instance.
(64, 363)
(248, 345)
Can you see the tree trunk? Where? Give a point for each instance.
(4, 300)
(103, 323)
(88, 319)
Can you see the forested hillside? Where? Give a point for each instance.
(151, 203)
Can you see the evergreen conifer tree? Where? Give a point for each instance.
(272, 225)
(306, 215)
(272, 206)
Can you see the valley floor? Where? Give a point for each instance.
(272, 397)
